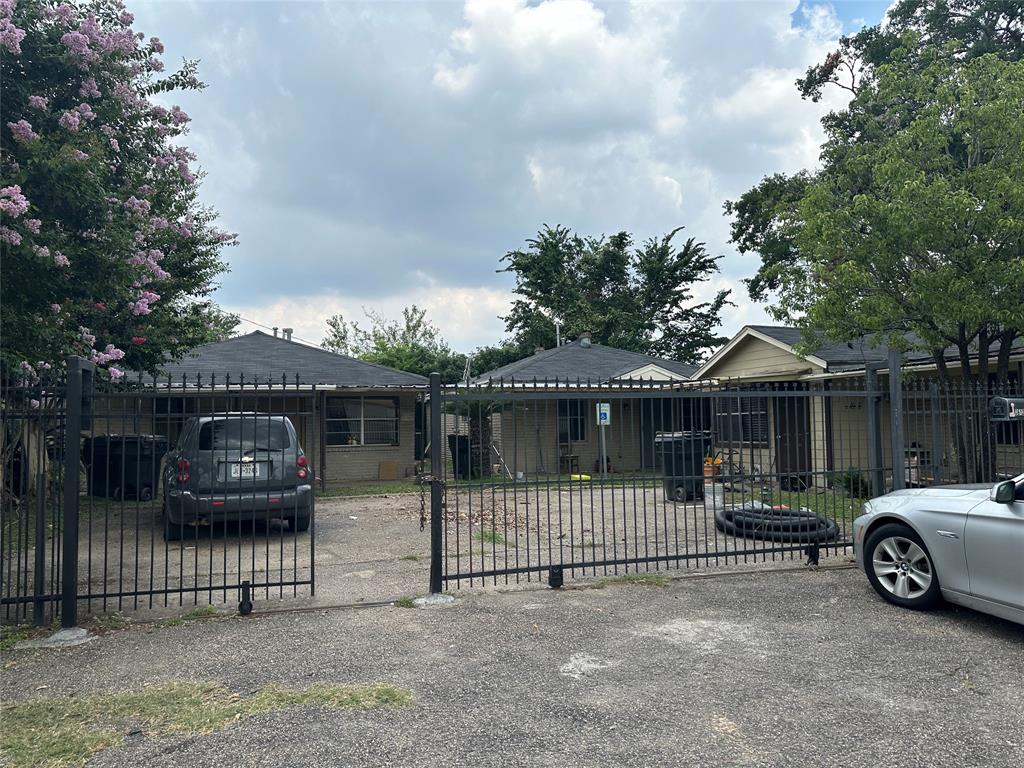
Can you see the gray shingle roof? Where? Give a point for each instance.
(852, 355)
(595, 363)
(258, 356)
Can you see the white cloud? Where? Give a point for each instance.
(383, 154)
(467, 317)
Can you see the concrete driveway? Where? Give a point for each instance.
(760, 669)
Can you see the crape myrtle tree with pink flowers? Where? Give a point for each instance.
(106, 251)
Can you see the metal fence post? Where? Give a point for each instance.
(899, 468)
(40, 554)
(876, 471)
(79, 388)
(938, 448)
(436, 480)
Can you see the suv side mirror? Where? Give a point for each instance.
(1003, 493)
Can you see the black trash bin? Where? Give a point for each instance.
(681, 460)
(124, 466)
(458, 445)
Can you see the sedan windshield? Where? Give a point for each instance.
(259, 434)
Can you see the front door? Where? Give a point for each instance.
(793, 440)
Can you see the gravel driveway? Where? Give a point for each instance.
(760, 669)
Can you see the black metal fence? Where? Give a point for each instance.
(549, 480)
(154, 492)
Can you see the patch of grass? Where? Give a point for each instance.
(12, 635)
(655, 579)
(371, 489)
(51, 732)
(111, 622)
(830, 504)
(405, 602)
(410, 558)
(488, 536)
(199, 612)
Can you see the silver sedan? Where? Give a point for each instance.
(962, 543)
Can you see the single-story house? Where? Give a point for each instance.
(560, 435)
(355, 420)
(817, 435)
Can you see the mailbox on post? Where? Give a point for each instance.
(1006, 408)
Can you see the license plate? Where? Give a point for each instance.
(245, 470)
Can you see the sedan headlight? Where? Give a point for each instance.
(865, 508)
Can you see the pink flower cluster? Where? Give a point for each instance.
(108, 355)
(8, 235)
(141, 306)
(79, 155)
(32, 225)
(136, 206)
(90, 39)
(38, 102)
(150, 260)
(10, 35)
(179, 157)
(72, 118)
(12, 202)
(89, 89)
(22, 131)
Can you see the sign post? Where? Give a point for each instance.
(604, 419)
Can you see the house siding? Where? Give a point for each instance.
(756, 360)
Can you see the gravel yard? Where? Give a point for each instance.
(757, 669)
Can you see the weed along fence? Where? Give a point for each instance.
(553, 480)
(154, 493)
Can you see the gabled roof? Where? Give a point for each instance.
(593, 363)
(260, 357)
(833, 357)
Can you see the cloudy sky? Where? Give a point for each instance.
(383, 154)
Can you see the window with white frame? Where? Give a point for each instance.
(361, 421)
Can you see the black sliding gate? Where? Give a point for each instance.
(88, 469)
(528, 484)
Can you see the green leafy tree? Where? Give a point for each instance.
(106, 249)
(921, 229)
(640, 299)
(912, 226)
(766, 222)
(411, 344)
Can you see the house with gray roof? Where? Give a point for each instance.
(560, 435)
(357, 421)
(801, 436)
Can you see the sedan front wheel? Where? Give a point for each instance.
(900, 568)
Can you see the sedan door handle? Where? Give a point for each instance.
(948, 534)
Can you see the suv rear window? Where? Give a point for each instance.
(257, 433)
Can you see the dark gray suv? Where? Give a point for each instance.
(236, 467)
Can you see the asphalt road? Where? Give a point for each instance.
(760, 669)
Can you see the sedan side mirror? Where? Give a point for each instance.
(1003, 493)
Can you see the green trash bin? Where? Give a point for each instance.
(681, 461)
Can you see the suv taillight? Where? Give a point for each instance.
(182, 475)
(301, 472)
